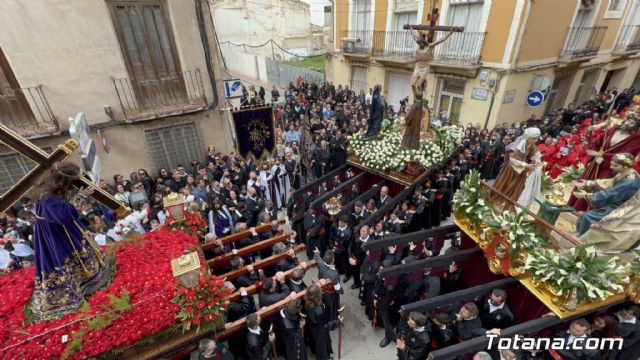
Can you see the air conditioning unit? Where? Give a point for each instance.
(349, 44)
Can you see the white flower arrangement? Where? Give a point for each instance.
(522, 235)
(449, 137)
(471, 199)
(579, 268)
(386, 153)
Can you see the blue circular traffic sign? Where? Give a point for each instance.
(535, 98)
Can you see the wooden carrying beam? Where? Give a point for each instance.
(526, 328)
(239, 235)
(456, 296)
(287, 274)
(348, 207)
(271, 260)
(434, 261)
(224, 258)
(404, 194)
(414, 236)
(337, 190)
(320, 180)
(434, 28)
(234, 327)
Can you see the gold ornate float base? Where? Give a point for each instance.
(557, 305)
(405, 177)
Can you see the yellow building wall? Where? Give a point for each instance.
(340, 71)
(498, 27)
(380, 17)
(342, 20)
(517, 110)
(613, 25)
(427, 10)
(546, 29)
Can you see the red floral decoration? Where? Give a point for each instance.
(143, 270)
(203, 303)
(193, 224)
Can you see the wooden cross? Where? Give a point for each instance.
(44, 162)
(432, 27)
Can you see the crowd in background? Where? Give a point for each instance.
(312, 124)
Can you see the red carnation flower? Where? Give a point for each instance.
(200, 304)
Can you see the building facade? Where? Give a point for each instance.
(145, 73)
(565, 49)
(287, 22)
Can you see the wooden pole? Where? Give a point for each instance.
(224, 258)
(239, 235)
(274, 259)
(287, 274)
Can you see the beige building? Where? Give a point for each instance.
(287, 22)
(566, 49)
(146, 74)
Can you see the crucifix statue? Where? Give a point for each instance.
(418, 117)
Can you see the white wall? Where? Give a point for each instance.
(71, 48)
(287, 22)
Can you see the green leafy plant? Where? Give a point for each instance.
(471, 200)
(547, 182)
(578, 268)
(571, 173)
(521, 234)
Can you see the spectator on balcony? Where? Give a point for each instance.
(261, 94)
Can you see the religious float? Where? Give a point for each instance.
(158, 294)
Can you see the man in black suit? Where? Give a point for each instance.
(468, 324)
(254, 205)
(383, 197)
(414, 343)
(327, 268)
(577, 336)
(258, 346)
(359, 213)
(494, 312)
(629, 329)
(313, 227)
(340, 241)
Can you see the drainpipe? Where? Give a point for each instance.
(207, 50)
(493, 98)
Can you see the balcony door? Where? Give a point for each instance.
(361, 24)
(465, 44)
(15, 111)
(579, 34)
(400, 40)
(146, 40)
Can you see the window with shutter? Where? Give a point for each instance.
(173, 145)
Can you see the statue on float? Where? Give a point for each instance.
(613, 220)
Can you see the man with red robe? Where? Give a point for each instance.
(617, 139)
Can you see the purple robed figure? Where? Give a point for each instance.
(69, 265)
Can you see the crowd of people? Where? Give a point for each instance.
(235, 195)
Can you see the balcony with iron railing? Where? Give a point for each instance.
(583, 42)
(629, 39)
(460, 49)
(27, 112)
(159, 96)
